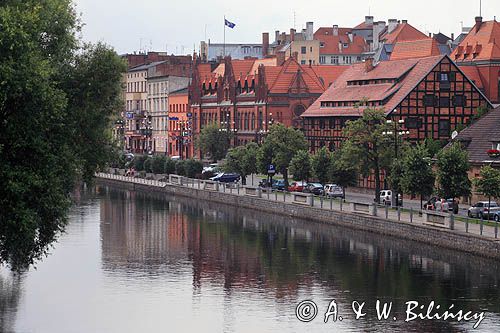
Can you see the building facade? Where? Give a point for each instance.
(247, 102)
(180, 125)
(431, 95)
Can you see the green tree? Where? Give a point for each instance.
(417, 177)
(158, 164)
(433, 146)
(169, 166)
(139, 162)
(242, 160)
(284, 143)
(488, 183)
(264, 158)
(193, 168)
(452, 168)
(148, 164)
(321, 162)
(301, 165)
(180, 167)
(342, 173)
(215, 141)
(366, 147)
(56, 100)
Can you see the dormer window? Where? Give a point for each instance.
(321, 44)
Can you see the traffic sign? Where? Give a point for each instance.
(271, 169)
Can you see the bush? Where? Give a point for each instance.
(148, 165)
(158, 164)
(193, 168)
(180, 168)
(139, 162)
(169, 167)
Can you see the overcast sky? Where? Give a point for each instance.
(179, 26)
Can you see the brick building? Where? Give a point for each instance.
(180, 135)
(431, 95)
(246, 96)
(478, 55)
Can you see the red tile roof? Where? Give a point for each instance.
(364, 26)
(397, 78)
(403, 32)
(280, 79)
(328, 31)
(473, 74)
(415, 49)
(334, 44)
(328, 74)
(479, 44)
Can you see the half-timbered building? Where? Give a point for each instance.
(431, 95)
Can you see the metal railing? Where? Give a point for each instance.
(440, 220)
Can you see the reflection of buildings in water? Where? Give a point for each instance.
(138, 230)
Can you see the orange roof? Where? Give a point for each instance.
(334, 44)
(364, 26)
(403, 32)
(328, 31)
(395, 80)
(281, 79)
(482, 43)
(415, 49)
(328, 74)
(473, 74)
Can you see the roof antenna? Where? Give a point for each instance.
(480, 8)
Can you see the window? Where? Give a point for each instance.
(310, 49)
(332, 124)
(429, 100)
(322, 59)
(413, 122)
(321, 44)
(444, 81)
(303, 50)
(322, 123)
(444, 127)
(302, 62)
(444, 102)
(459, 100)
(334, 59)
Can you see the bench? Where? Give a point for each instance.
(176, 180)
(253, 191)
(361, 207)
(211, 186)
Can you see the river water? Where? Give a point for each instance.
(132, 262)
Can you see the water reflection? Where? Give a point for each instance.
(244, 252)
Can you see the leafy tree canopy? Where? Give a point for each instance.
(453, 166)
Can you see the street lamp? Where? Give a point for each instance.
(397, 132)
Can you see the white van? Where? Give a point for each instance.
(386, 197)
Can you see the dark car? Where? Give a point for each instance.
(226, 178)
(279, 185)
(314, 188)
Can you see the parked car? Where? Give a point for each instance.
(334, 191)
(480, 209)
(386, 197)
(214, 167)
(314, 188)
(297, 186)
(226, 177)
(495, 214)
(278, 185)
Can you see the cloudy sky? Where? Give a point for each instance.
(179, 26)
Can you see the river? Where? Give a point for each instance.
(135, 262)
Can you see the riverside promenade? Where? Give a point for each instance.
(440, 229)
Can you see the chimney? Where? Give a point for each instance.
(276, 36)
(368, 20)
(265, 44)
(280, 58)
(351, 37)
(430, 35)
(393, 24)
(479, 21)
(452, 36)
(309, 31)
(335, 30)
(292, 35)
(378, 27)
(369, 64)
(283, 37)
(404, 21)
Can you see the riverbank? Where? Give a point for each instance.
(461, 239)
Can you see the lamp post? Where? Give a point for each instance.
(397, 132)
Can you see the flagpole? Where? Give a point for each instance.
(224, 46)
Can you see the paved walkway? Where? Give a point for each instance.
(405, 215)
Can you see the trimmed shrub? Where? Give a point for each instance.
(169, 167)
(180, 168)
(158, 164)
(148, 165)
(139, 162)
(193, 168)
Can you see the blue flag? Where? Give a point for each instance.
(229, 24)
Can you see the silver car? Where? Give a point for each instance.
(480, 209)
